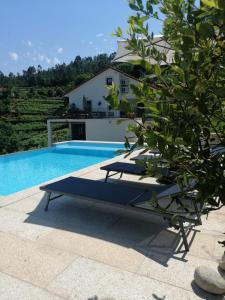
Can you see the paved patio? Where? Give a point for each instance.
(78, 250)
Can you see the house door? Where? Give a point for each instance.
(89, 106)
(78, 131)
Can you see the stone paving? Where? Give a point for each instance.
(81, 250)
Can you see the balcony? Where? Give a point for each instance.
(91, 115)
(75, 113)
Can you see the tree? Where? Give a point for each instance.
(51, 93)
(2, 77)
(30, 76)
(8, 141)
(186, 105)
(59, 92)
(82, 78)
(32, 93)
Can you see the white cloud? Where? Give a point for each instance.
(90, 43)
(105, 40)
(14, 56)
(41, 57)
(48, 60)
(55, 61)
(29, 44)
(99, 35)
(60, 50)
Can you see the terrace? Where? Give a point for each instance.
(79, 250)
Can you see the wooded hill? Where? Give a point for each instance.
(27, 100)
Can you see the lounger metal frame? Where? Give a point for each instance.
(107, 175)
(130, 207)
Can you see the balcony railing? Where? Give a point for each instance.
(77, 114)
(91, 115)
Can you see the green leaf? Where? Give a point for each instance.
(206, 30)
(140, 62)
(140, 4)
(213, 3)
(125, 106)
(127, 143)
(157, 70)
(133, 6)
(112, 97)
(118, 33)
(178, 70)
(149, 7)
(174, 219)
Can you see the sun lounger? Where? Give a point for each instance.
(124, 196)
(167, 175)
(121, 167)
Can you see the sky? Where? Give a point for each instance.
(48, 32)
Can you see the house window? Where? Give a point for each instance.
(124, 85)
(124, 89)
(109, 81)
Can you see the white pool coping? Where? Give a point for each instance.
(87, 141)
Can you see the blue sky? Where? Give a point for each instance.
(48, 32)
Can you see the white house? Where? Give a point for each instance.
(89, 96)
(95, 119)
(125, 55)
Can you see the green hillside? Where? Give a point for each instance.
(30, 122)
(23, 126)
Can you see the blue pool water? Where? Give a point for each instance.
(26, 169)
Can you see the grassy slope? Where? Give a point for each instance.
(29, 120)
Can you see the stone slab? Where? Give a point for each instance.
(86, 279)
(177, 271)
(206, 246)
(15, 223)
(29, 261)
(14, 289)
(110, 253)
(214, 223)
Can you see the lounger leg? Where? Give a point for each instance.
(183, 235)
(121, 174)
(107, 175)
(48, 200)
(197, 213)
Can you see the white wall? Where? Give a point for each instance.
(95, 89)
(106, 129)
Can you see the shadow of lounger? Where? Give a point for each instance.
(126, 197)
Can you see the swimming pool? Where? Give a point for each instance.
(23, 170)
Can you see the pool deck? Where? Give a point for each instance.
(81, 250)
